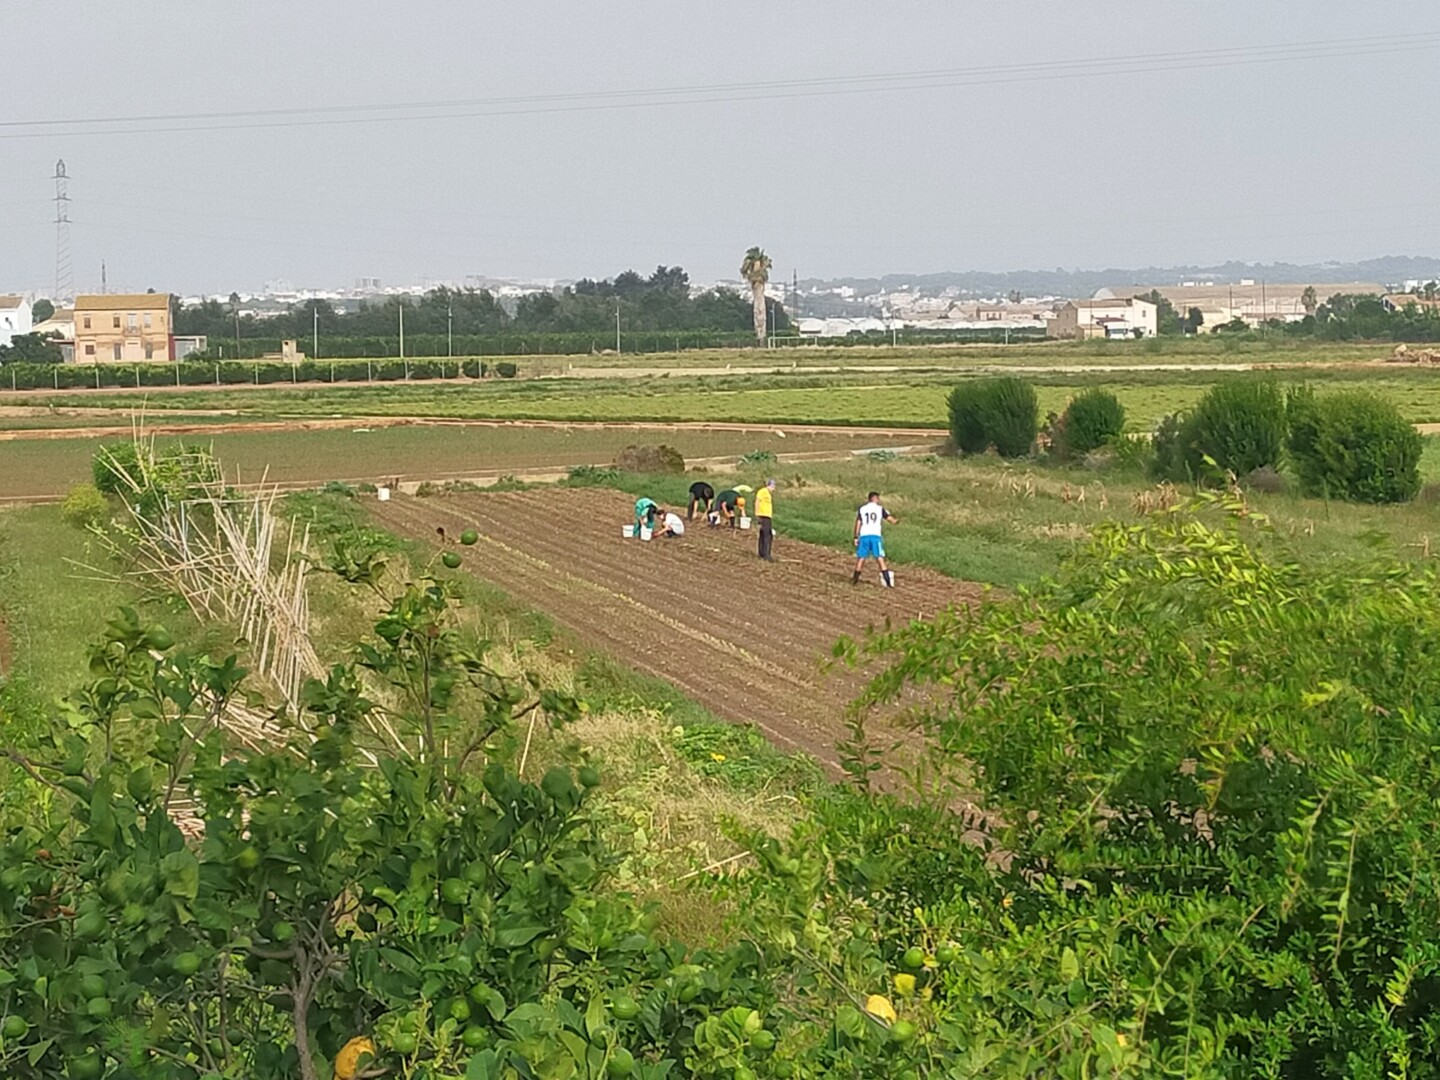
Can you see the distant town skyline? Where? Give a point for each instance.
(319, 144)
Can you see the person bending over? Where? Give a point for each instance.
(702, 498)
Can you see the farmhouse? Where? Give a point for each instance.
(14, 318)
(123, 328)
(1111, 317)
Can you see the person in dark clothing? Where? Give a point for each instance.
(702, 496)
(729, 506)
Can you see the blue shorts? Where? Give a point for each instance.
(869, 547)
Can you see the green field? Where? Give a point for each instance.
(897, 398)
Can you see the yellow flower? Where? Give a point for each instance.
(878, 1006)
(905, 984)
(717, 757)
(1120, 1038)
(1006, 902)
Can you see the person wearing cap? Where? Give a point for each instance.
(764, 511)
(729, 506)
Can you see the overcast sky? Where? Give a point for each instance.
(1175, 161)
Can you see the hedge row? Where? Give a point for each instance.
(582, 342)
(232, 372)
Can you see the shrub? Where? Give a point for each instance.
(967, 430)
(650, 459)
(1167, 460)
(84, 506)
(1000, 412)
(112, 463)
(1353, 445)
(1094, 418)
(506, 370)
(1240, 424)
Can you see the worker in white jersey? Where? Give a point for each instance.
(869, 542)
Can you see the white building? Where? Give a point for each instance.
(1110, 318)
(15, 318)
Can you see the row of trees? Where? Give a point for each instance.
(662, 302)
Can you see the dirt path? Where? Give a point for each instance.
(351, 423)
(742, 637)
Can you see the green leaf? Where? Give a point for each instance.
(181, 871)
(1069, 965)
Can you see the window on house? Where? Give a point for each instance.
(117, 347)
(149, 351)
(147, 320)
(87, 322)
(89, 350)
(130, 321)
(116, 320)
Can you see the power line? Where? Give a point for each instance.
(765, 90)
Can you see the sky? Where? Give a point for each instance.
(600, 135)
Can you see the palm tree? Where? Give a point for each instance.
(1431, 288)
(1308, 300)
(756, 270)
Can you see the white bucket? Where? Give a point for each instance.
(645, 533)
(627, 531)
(744, 523)
(383, 494)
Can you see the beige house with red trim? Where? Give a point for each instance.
(123, 328)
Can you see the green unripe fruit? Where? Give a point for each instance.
(99, 1008)
(186, 964)
(247, 858)
(451, 560)
(589, 776)
(284, 931)
(469, 536)
(86, 1067)
(621, 1063)
(624, 1007)
(902, 1031)
(783, 1070)
(405, 1043)
(460, 1010)
(763, 1040)
(454, 890)
(914, 957)
(947, 954)
(475, 1037)
(90, 926)
(557, 784)
(92, 986)
(159, 639)
(14, 1027)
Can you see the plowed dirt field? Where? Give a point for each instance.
(743, 637)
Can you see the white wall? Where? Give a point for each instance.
(15, 321)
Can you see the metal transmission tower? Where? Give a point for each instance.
(64, 276)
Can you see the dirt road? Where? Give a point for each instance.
(742, 637)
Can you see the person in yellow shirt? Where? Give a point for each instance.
(764, 511)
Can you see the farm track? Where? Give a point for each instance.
(744, 638)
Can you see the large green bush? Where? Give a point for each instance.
(1240, 424)
(1353, 445)
(1094, 418)
(1002, 412)
(1211, 773)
